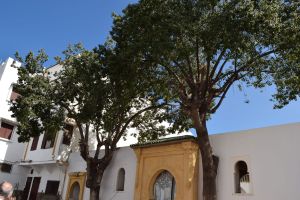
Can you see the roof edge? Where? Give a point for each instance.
(164, 141)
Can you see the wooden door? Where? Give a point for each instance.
(35, 188)
(27, 188)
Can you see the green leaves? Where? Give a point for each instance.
(194, 51)
(35, 110)
(99, 89)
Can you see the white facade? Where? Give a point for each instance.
(270, 155)
(11, 151)
(123, 158)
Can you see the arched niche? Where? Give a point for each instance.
(164, 186)
(121, 180)
(75, 191)
(242, 178)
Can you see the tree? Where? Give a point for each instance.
(196, 50)
(287, 78)
(94, 88)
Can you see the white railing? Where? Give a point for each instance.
(245, 185)
(245, 179)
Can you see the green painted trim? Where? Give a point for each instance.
(163, 140)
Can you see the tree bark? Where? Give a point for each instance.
(95, 173)
(95, 193)
(95, 166)
(209, 171)
(209, 161)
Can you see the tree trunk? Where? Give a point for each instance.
(95, 173)
(209, 171)
(209, 161)
(95, 193)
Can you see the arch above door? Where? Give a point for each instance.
(164, 187)
(179, 158)
(76, 186)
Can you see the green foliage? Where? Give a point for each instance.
(287, 80)
(98, 89)
(195, 50)
(35, 110)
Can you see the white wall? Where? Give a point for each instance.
(273, 162)
(44, 155)
(47, 172)
(123, 158)
(271, 154)
(16, 177)
(11, 151)
(8, 76)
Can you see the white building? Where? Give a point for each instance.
(258, 164)
(11, 151)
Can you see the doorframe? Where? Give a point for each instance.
(29, 188)
(31, 183)
(78, 177)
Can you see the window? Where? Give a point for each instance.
(164, 187)
(48, 141)
(52, 187)
(34, 143)
(4, 167)
(14, 95)
(68, 133)
(121, 180)
(6, 130)
(242, 178)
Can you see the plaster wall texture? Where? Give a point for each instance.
(272, 157)
(123, 158)
(16, 176)
(47, 172)
(11, 151)
(8, 76)
(44, 155)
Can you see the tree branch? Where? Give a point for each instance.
(226, 88)
(217, 63)
(83, 146)
(172, 73)
(190, 67)
(214, 109)
(117, 138)
(188, 77)
(99, 143)
(87, 132)
(219, 72)
(197, 61)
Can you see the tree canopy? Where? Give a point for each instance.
(99, 91)
(178, 56)
(196, 50)
(210, 43)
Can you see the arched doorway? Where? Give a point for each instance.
(176, 160)
(75, 191)
(242, 178)
(76, 186)
(164, 186)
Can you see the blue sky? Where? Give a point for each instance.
(52, 25)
